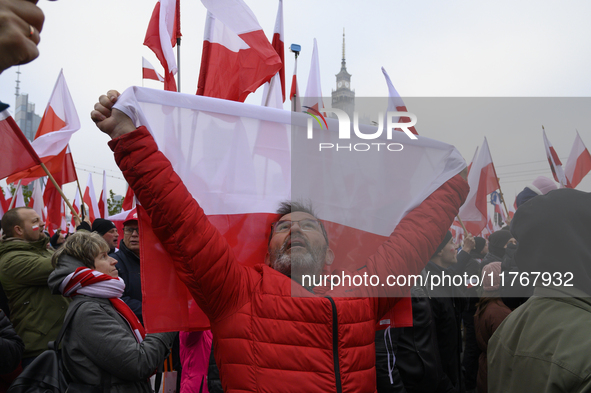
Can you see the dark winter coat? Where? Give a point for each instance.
(447, 304)
(11, 346)
(128, 265)
(98, 338)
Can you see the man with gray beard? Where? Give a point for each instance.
(298, 243)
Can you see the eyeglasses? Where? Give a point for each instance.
(307, 224)
(131, 230)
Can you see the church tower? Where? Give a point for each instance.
(343, 97)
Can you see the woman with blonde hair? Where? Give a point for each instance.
(104, 344)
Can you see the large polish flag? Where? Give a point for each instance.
(237, 57)
(16, 150)
(102, 203)
(149, 72)
(396, 104)
(578, 163)
(60, 121)
(89, 199)
(313, 98)
(482, 180)
(163, 30)
(211, 144)
(274, 91)
(555, 164)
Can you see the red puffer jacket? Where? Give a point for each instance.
(265, 339)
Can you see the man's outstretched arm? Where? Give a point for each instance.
(203, 260)
(410, 246)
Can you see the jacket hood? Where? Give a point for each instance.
(553, 232)
(15, 244)
(65, 265)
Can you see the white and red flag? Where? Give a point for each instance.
(149, 72)
(163, 31)
(578, 163)
(76, 205)
(396, 104)
(274, 90)
(313, 98)
(63, 174)
(16, 150)
(19, 199)
(237, 57)
(89, 199)
(3, 203)
(128, 200)
(102, 203)
(240, 190)
(57, 126)
(555, 164)
(482, 180)
(36, 200)
(473, 159)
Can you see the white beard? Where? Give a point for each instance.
(294, 266)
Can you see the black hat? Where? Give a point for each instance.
(480, 243)
(102, 226)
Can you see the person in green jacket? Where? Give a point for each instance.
(543, 346)
(25, 265)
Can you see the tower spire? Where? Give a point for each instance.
(343, 44)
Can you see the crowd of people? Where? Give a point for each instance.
(477, 336)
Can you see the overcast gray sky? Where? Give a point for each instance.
(429, 48)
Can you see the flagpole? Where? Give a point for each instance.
(82, 209)
(178, 64)
(13, 200)
(177, 29)
(502, 197)
(462, 224)
(60, 191)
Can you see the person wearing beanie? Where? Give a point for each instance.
(543, 345)
(541, 186)
(108, 230)
(480, 248)
(490, 312)
(447, 303)
(497, 243)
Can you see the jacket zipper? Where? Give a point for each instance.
(335, 344)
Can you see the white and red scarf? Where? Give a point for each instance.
(85, 281)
